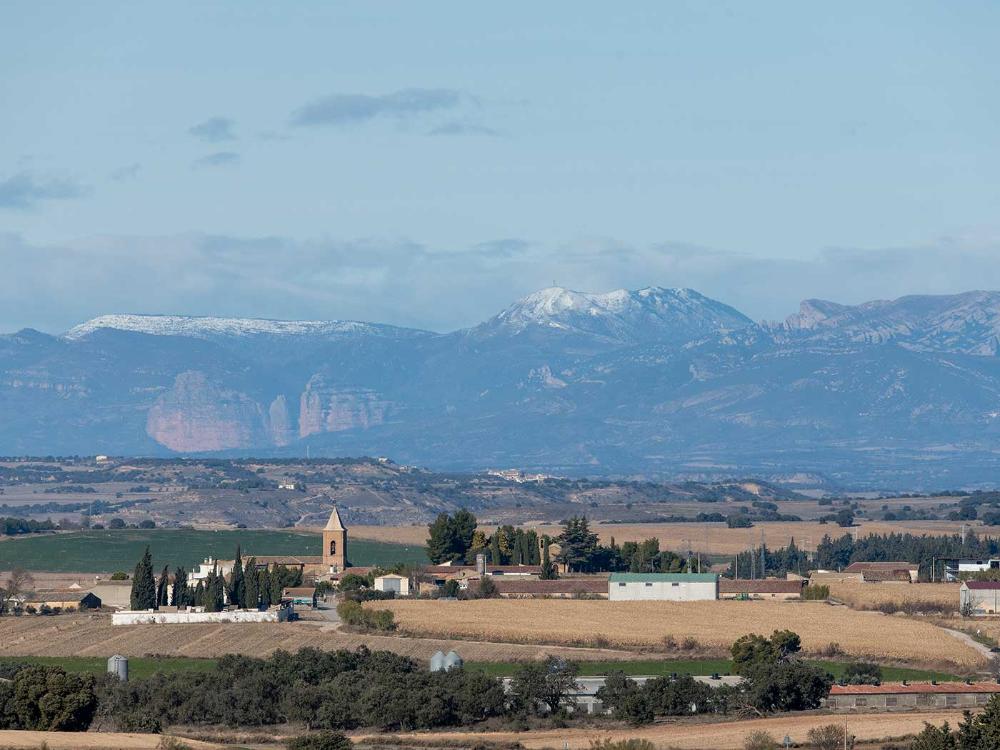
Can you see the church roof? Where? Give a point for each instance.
(334, 524)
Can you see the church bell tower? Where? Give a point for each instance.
(335, 543)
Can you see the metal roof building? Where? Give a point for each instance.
(681, 587)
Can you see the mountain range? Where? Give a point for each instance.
(653, 383)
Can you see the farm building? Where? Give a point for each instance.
(764, 588)
(62, 599)
(393, 582)
(902, 696)
(561, 588)
(884, 572)
(114, 594)
(981, 597)
(954, 569)
(686, 587)
(302, 596)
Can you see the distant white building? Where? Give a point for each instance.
(680, 587)
(393, 582)
(201, 570)
(953, 569)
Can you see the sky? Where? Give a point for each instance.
(427, 164)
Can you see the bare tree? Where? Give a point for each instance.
(18, 582)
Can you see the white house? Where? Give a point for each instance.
(393, 582)
(953, 569)
(980, 597)
(681, 587)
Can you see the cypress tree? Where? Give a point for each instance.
(237, 586)
(181, 596)
(199, 594)
(251, 598)
(162, 592)
(215, 592)
(275, 584)
(264, 586)
(495, 555)
(143, 594)
(548, 569)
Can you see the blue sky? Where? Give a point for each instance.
(425, 164)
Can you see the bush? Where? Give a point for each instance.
(320, 741)
(119, 575)
(816, 592)
(759, 740)
(829, 737)
(356, 616)
(863, 673)
(631, 744)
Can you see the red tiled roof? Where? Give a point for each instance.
(858, 567)
(983, 585)
(762, 586)
(898, 688)
(558, 586)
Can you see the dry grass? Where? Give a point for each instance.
(870, 595)
(715, 538)
(727, 735)
(10, 738)
(713, 624)
(94, 635)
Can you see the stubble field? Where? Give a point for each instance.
(870, 596)
(714, 624)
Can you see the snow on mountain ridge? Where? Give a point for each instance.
(206, 327)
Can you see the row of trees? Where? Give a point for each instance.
(10, 526)
(249, 587)
(925, 550)
(456, 538)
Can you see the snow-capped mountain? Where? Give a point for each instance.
(207, 327)
(654, 382)
(650, 314)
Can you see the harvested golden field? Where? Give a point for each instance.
(715, 538)
(714, 624)
(94, 635)
(870, 595)
(727, 735)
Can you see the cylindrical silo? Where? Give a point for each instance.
(118, 666)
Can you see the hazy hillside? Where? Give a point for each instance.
(655, 382)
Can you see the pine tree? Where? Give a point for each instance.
(251, 595)
(548, 569)
(143, 595)
(578, 544)
(162, 592)
(237, 586)
(181, 596)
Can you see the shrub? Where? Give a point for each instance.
(829, 737)
(816, 592)
(320, 741)
(172, 743)
(863, 673)
(759, 740)
(631, 744)
(356, 616)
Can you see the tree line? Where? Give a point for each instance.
(10, 526)
(247, 587)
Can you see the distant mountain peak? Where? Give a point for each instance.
(211, 327)
(652, 313)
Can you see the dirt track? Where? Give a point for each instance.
(716, 736)
(94, 635)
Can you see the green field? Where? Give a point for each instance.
(137, 667)
(707, 667)
(107, 551)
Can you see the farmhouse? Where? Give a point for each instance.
(686, 587)
(114, 594)
(764, 588)
(980, 597)
(301, 596)
(63, 599)
(902, 696)
(884, 572)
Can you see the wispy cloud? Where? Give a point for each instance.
(341, 109)
(26, 190)
(217, 159)
(457, 127)
(214, 130)
(126, 172)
